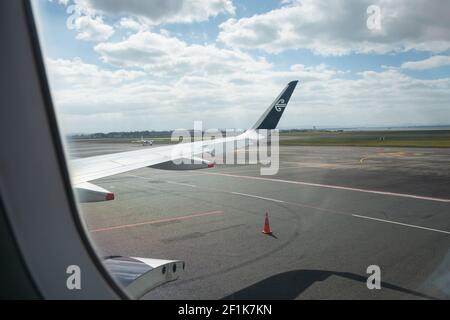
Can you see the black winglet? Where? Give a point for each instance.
(272, 116)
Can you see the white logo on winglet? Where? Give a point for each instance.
(280, 105)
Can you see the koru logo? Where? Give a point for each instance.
(374, 280)
(74, 280)
(280, 105)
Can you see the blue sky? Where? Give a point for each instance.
(223, 62)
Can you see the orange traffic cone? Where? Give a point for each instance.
(266, 229)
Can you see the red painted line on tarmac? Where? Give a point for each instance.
(195, 215)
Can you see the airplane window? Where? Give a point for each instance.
(238, 150)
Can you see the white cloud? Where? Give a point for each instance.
(91, 98)
(339, 27)
(75, 74)
(157, 81)
(161, 11)
(63, 2)
(132, 24)
(161, 54)
(88, 25)
(430, 63)
(92, 28)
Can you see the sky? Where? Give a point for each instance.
(135, 65)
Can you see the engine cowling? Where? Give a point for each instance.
(140, 275)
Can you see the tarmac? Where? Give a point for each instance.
(334, 211)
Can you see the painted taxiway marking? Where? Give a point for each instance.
(340, 212)
(195, 215)
(384, 193)
(258, 197)
(332, 211)
(401, 224)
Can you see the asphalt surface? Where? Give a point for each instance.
(333, 211)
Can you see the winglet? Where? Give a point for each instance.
(269, 120)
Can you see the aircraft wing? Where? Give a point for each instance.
(84, 170)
